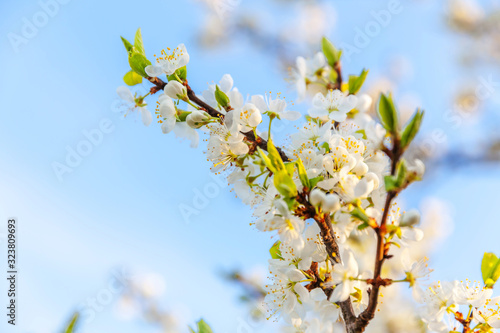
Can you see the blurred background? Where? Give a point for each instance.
(103, 232)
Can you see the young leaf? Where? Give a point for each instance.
(411, 129)
(71, 326)
(284, 184)
(314, 181)
(203, 327)
(139, 46)
(401, 172)
(331, 53)
(275, 250)
(490, 269)
(127, 44)
(390, 183)
(132, 78)
(180, 72)
(302, 173)
(360, 215)
(275, 156)
(282, 179)
(266, 160)
(387, 113)
(356, 82)
(138, 62)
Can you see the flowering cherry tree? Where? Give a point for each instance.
(330, 194)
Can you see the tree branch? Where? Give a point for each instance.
(382, 248)
(159, 84)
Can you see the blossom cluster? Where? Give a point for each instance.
(329, 195)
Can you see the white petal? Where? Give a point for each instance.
(295, 275)
(146, 116)
(239, 148)
(338, 116)
(125, 94)
(317, 112)
(167, 107)
(168, 125)
(153, 71)
(302, 292)
(260, 102)
(226, 83)
(291, 115)
(348, 104)
(318, 294)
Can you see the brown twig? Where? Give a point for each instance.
(159, 84)
(382, 249)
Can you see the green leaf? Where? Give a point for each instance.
(282, 179)
(390, 183)
(266, 160)
(275, 156)
(360, 215)
(356, 82)
(314, 181)
(490, 269)
(221, 97)
(127, 44)
(302, 173)
(138, 44)
(275, 250)
(411, 129)
(401, 172)
(132, 78)
(387, 113)
(331, 53)
(284, 184)
(180, 72)
(138, 62)
(396, 182)
(203, 327)
(72, 324)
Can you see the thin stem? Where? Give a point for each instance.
(192, 104)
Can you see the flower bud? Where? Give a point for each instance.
(221, 97)
(331, 203)
(175, 90)
(316, 197)
(196, 119)
(360, 169)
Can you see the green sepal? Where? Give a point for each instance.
(221, 97)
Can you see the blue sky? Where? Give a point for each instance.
(120, 206)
